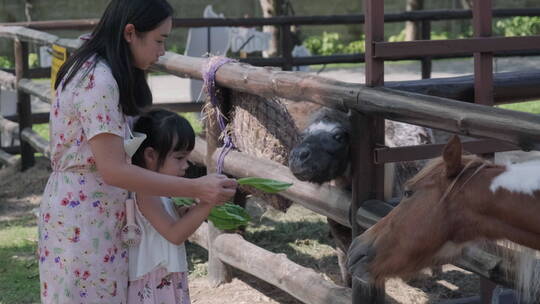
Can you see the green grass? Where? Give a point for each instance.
(42, 130)
(529, 106)
(19, 278)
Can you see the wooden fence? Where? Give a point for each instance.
(429, 111)
(423, 18)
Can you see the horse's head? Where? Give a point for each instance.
(428, 226)
(323, 152)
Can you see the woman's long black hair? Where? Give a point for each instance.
(107, 41)
(165, 131)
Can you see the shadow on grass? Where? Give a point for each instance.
(450, 284)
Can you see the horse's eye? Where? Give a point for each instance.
(339, 137)
(408, 193)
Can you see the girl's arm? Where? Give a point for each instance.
(174, 231)
(108, 151)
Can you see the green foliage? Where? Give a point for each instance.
(33, 60)
(518, 26)
(226, 217)
(5, 63)
(397, 38)
(355, 47)
(42, 130)
(330, 44)
(230, 216)
(264, 184)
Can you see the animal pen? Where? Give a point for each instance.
(369, 104)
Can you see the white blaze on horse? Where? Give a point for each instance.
(456, 200)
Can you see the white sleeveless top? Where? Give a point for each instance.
(154, 251)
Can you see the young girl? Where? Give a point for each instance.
(157, 265)
(82, 210)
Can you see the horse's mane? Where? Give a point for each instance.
(436, 166)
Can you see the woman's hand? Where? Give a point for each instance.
(216, 189)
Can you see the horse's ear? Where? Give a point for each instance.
(452, 157)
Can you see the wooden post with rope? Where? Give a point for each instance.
(218, 272)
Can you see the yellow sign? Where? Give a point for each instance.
(59, 56)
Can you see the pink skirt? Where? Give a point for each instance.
(159, 286)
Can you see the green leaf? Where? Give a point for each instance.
(265, 184)
(228, 216)
(183, 201)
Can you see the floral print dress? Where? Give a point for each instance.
(81, 257)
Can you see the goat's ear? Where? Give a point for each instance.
(452, 157)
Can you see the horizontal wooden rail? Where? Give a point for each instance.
(8, 159)
(181, 106)
(329, 201)
(430, 15)
(273, 268)
(30, 35)
(37, 118)
(420, 48)
(301, 282)
(33, 72)
(8, 126)
(507, 87)
(37, 142)
(518, 128)
(68, 24)
(320, 199)
(397, 154)
(40, 90)
(7, 80)
(37, 37)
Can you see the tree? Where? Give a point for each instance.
(411, 27)
(271, 8)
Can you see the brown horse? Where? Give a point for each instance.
(453, 201)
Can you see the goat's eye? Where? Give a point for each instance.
(408, 193)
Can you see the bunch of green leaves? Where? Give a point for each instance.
(230, 216)
(518, 26)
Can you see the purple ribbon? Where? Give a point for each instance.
(209, 78)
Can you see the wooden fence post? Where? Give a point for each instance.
(218, 272)
(365, 179)
(286, 46)
(426, 61)
(367, 132)
(24, 107)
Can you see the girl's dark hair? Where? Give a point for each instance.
(107, 41)
(162, 129)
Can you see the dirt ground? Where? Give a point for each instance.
(20, 194)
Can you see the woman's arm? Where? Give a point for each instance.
(108, 150)
(174, 231)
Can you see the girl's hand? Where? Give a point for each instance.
(216, 189)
